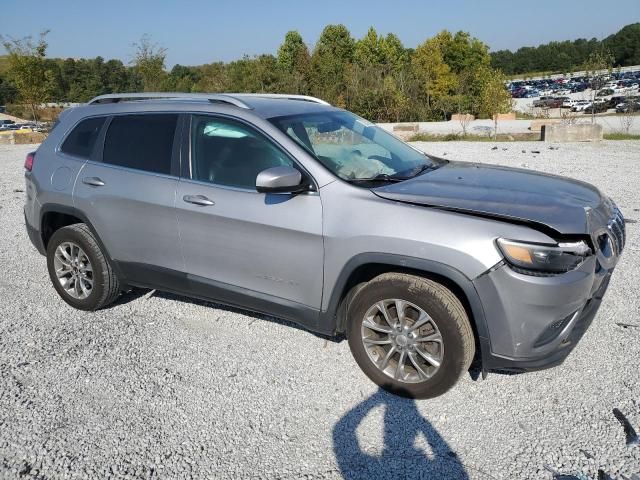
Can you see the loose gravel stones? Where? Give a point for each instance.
(160, 386)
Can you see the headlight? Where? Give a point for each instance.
(558, 258)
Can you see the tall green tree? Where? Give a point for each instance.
(495, 98)
(28, 70)
(437, 81)
(329, 63)
(294, 61)
(148, 61)
(625, 45)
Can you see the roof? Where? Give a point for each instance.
(263, 105)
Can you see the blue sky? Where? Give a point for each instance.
(196, 32)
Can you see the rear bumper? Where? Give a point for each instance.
(535, 322)
(34, 236)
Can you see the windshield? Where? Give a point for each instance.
(353, 148)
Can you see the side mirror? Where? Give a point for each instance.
(280, 180)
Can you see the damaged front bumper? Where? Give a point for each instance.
(535, 321)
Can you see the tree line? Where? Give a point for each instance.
(376, 76)
(567, 56)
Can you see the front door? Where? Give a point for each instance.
(264, 245)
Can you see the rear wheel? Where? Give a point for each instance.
(78, 269)
(410, 335)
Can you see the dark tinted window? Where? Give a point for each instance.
(143, 142)
(229, 153)
(82, 139)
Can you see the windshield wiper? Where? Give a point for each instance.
(422, 169)
(381, 177)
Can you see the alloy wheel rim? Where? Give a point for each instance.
(73, 270)
(402, 340)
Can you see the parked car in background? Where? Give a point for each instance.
(580, 105)
(628, 106)
(615, 100)
(605, 92)
(549, 102)
(596, 107)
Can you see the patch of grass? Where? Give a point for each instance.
(524, 116)
(453, 137)
(621, 136)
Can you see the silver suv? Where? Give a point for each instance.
(289, 206)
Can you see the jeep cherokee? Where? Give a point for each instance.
(286, 205)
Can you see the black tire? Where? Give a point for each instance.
(444, 308)
(106, 286)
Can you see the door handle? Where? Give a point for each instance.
(93, 181)
(200, 200)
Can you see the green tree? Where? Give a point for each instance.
(495, 98)
(148, 62)
(291, 51)
(436, 80)
(625, 45)
(295, 62)
(329, 63)
(462, 51)
(385, 53)
(28, 70)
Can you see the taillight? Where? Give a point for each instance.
(28, 163)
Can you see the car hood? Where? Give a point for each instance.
(564, 205)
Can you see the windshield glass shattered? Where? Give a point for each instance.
(353, 148)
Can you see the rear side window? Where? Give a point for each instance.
(143, 142)
(82, 139)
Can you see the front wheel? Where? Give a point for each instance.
(410, 335)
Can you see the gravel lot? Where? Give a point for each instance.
(165, 387)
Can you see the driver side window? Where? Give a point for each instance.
(226, 152)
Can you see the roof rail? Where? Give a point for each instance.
(230, 98)
(285, 96)
(134, 97)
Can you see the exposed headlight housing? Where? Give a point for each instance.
(536, 258)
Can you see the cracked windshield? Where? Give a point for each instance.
(353, 148)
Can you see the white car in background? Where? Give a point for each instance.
(580, 105)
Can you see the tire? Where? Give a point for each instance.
(445, 337)
(93, 267)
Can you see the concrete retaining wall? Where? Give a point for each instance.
(536, 125)
(21, 138)
(582, 132)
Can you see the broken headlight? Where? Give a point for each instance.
(558, 258)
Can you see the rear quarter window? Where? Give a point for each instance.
(82, 139)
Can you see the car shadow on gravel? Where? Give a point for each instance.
(399, 457)
(137, 293)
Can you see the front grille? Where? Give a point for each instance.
(616, 227)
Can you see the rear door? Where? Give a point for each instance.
(236, 238)
(128, 192)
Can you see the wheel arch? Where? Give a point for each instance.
(365, 266)
(55, 216)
